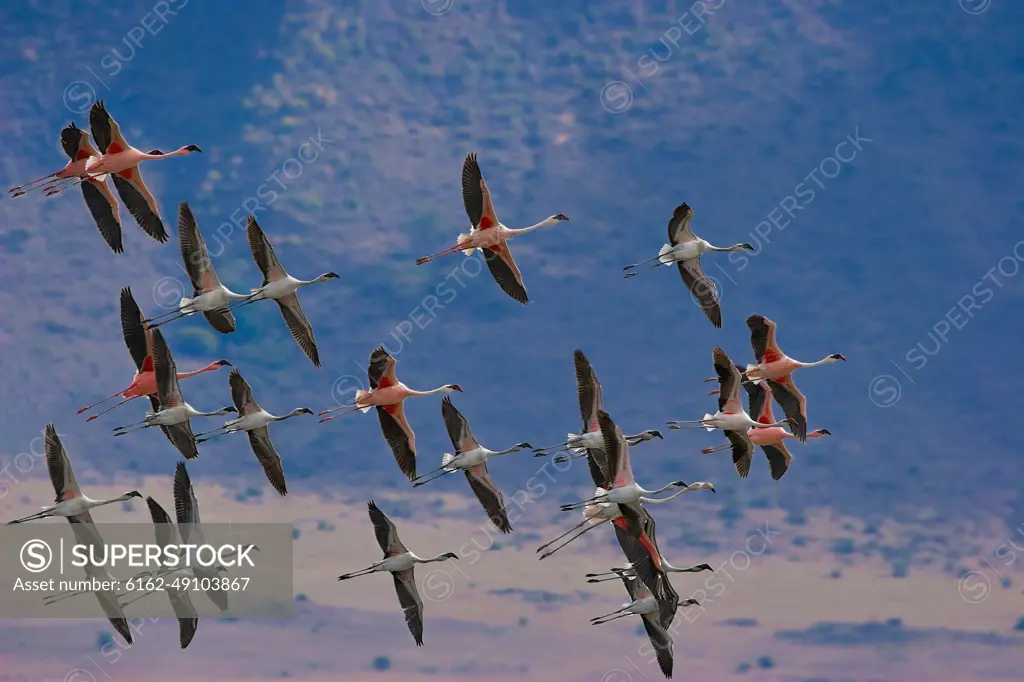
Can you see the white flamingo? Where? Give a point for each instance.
(685, 249)
(471, 457)
(70, 502)
(399, 561)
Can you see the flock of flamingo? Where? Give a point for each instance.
(617, 497)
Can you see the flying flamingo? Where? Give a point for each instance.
(181, 602)
(279, 286)
(95, 190)
(471, 458)
(651, 611)
(621, 487)
(489, 235)
(137, 339)
(685, 249)
(588, 391)
(174, 413)
(597, 514)
(70, 502)
(730, 416)
(186, 511)
(771, 439)
(254, 420)
(209, 296)
(388, 395)
(400, 562)
(776, 367)
(121, 161)
(629, 569)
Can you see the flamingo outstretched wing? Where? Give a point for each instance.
(792, 402)
(381, 372)
(762, 339)
(458, 427)
(263, 253)
(385, 531)
(702, 289)
(489, 496)
(729, 381)
(399, 436)
(679, 230)
(475, 195)
(505, 271)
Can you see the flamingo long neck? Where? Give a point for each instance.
(100, 503)
(828, 360)
(293, 413)
(439, 557)
(514, 448)
(661, 490)
(673, 496)
(223, 410)
(209, 368)
(420, 394)
(177, 152)
(734, 247)
(523, 230)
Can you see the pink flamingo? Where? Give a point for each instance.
(388, 395)
(488, 234)
(83, 159)
(771, 439)
(121, 160)
(137, 337)
(776, 367)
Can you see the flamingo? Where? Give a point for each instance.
(121, 161)
(209, 297)
(771, 439)
(588, 391)
(621, 487)
(730, 416)
(685, 249)
(651, 611)
(137, 339)
(70, 502)
(186, 509)
(400, 562)
(388, 395)
(487, 234)
(254, 420)
(628, 570)
(80, 160)
(95, 190)
(86, 534)
(184, 610)
(471, 457)
(597, 514)
(776, 367)
(174, 413)
(279, 286)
